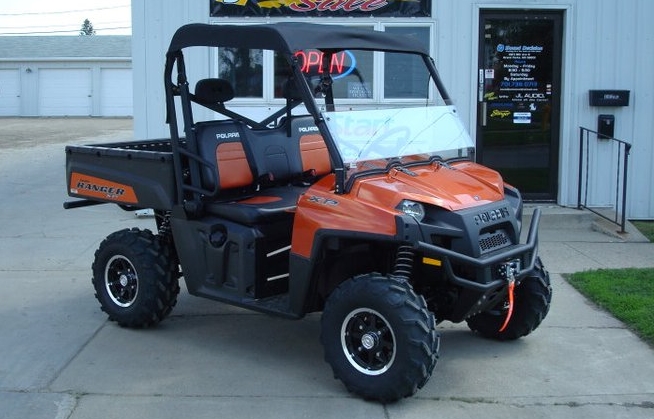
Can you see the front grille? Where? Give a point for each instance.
(493, 241)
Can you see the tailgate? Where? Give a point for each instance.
(139, 174)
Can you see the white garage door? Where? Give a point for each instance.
(65, 92)
(9, 92)
(116, 92)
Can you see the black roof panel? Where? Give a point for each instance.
(290, 37)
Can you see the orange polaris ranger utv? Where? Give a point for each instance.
(338, 201)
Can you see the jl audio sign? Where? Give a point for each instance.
(302, 8)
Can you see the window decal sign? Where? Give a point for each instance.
(303, 8)
(517, 81)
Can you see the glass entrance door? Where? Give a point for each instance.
(519, 98)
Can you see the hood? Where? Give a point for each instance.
(453, 187)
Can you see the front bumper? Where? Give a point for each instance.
(489, 289)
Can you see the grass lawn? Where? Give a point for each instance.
(645, 227)
(628, 294)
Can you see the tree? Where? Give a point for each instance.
(87, 28)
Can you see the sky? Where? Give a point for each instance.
(64, 17)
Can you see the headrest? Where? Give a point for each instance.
(290, 90)
(213, 91)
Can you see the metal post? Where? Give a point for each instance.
(581, 163)
(584, 133)
(627, 149)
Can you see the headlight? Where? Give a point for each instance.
(412, 208)
(513, 196)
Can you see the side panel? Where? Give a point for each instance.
(231, 262)
(143, 179)
(217, 256)
(321, 209)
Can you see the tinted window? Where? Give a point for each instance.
(406, 76)
(243, 68)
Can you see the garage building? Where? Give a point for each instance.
(65, 76)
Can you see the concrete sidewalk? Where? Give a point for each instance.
(60, 358)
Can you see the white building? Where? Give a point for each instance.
(520, 72)
(65, 76)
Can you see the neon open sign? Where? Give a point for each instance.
(342, 63)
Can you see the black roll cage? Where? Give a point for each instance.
(286, 39)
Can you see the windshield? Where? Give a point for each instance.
(429, 131)
(398, 115)
(377, 121)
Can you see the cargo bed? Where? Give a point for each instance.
(136, 174)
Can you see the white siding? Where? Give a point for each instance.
(153, 24)
(65, 92)
(9, 92)
(612, 50)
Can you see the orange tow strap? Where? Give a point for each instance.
(510, 311)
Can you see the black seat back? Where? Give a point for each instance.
(275, 155)
(313, 150)
(219, 143)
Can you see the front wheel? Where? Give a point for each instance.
(532, 303)
(379, 337)
(135, 278)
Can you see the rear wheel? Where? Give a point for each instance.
(135, 278)
(531, 305)
(379, 337)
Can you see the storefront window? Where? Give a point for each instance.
(352, 71)
(282, 73)
(243, 68)
(403, 74)
(354, 80)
